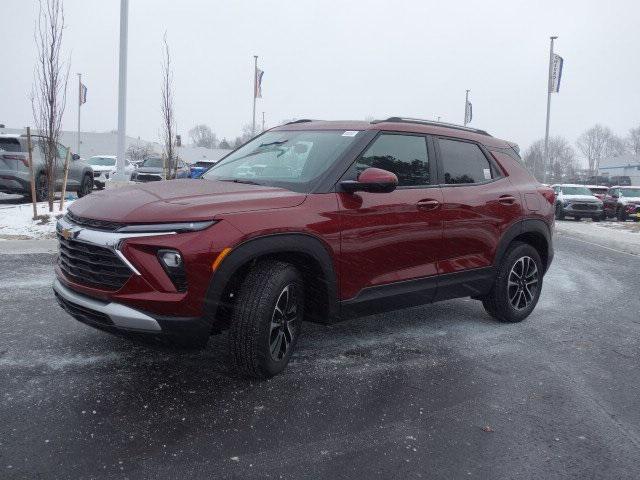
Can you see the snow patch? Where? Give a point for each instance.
(16, 222)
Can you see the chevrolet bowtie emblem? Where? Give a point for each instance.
(67, 233)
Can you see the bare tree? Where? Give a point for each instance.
(168, 116)
(202, 136)
(49, 91)
(633, 142)
(598, 143)
(562, 159)
(139, 152)
(224, 144)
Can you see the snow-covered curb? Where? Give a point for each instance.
(620, 236)
(16, 222)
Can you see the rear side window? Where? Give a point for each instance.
(404, 155)
(463, 162)
(10, 145)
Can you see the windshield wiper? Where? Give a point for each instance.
(272, 143)
(238, 180)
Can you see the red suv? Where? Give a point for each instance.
(315, 221)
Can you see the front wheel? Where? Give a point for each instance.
(559, 212)
(622, 214)
(266, 319)
(42, 188)
(517, 286)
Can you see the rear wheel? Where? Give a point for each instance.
(596, 219)
(85, 186)
(267, 319)
(577, 219)
(517, 286)
(622, 214)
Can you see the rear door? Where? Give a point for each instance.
(479, 204)
(391, 239)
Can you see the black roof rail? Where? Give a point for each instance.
(302, 120)
(432, 123)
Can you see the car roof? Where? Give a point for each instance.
(399, 124)
(625, 186)
(597, 186)
(570, 185)
(10, 135)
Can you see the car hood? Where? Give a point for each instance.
(149, 170)
(102, 168)
(181, 201)
(631, 199)
(580, 198)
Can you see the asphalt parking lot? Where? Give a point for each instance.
(433, 392)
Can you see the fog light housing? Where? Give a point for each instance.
(171, 261)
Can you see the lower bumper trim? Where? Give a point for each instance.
(122, 316)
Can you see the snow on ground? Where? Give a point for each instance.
(624, 236)
(16, 222)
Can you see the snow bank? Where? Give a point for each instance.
(16, 221)
(624, 236)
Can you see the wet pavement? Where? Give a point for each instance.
(440, 391)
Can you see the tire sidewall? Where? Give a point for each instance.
(509, 313)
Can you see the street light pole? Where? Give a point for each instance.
(122, 91)
(546, 132)
(466, 107)
(79, 104)
(255, 91)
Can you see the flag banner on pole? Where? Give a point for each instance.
(468, 113)
(556, 73)
(83, 94)
(258, 83)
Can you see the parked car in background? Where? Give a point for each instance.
(201, 166)
(15, 176)
(598, 191)
(599, 180)
(623, 203)
(576, 201)
(152, 170)
(621, 180)
(341, 219)
(104, 166)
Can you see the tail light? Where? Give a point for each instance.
(548, 194)
(20, 158)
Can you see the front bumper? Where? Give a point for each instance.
(572, 210)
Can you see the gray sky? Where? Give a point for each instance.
(341, 60)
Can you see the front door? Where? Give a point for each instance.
(390, 241)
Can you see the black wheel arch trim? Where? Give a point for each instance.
(528, 225)
(278, 243)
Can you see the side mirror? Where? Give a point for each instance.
(75, 156)
(374, 180)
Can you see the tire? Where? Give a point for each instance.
(596, 219)
(577, 219)
(559, 212)
(261, 339)
(508, 300)
(42, 188)
(86, 186)
(621, 214)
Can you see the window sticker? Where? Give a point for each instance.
(487, 173)
(350, 133)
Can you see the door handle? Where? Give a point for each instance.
(507, 199)
(428, 204)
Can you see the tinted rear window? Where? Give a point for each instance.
(10, 145)
(463, 162)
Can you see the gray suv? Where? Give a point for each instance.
(14, 168)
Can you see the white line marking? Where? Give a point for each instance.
(601, 246)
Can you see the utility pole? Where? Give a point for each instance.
(466, 107)
(255, 92)
(79, 104)
(263, 121)
(546, 132)
(122, 91)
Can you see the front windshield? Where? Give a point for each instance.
(630, 192)
(153, 162)
(575, 191)
(288, 159)
(102, 161)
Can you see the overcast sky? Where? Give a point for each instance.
(341, 60)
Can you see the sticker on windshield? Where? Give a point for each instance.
(487, 173)
(350, 133)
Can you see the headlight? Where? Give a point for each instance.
(166, 227)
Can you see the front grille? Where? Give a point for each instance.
(95, 224)
(148, 177)
(585, 206)
(92, 265)
(83, 314)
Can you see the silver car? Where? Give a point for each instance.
(14, 168)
